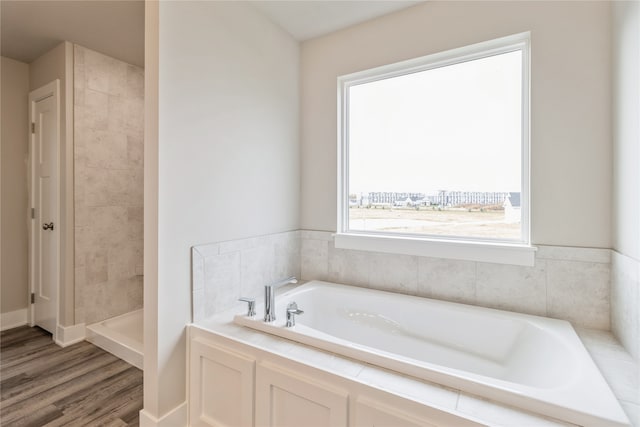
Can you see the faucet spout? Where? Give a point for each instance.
(270, 297)
(283, 282)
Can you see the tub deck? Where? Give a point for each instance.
(534, 363)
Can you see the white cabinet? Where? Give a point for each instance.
(221, 386)
(232, 384)
(286, 398)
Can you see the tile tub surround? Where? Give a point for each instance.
(225, 271)
(604, 348)
(310, 255)
(565, 283)
(625, 301)
(108, 185)
(618, 367)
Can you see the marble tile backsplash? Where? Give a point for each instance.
(224, 271)
(565, 283)
(625, 302)
(108, 185)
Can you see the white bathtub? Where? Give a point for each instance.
(530, 362)
(121, 336)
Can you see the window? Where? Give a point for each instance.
(436, 149)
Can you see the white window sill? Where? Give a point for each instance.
(498, 253)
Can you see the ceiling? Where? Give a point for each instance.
(116, 28)
(306, 19)
(31, 28)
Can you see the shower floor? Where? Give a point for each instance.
(121, 336)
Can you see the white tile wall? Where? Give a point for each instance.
(222, 272)
(348, 266)
(446, 279)
(618, 367)
(566, 283)
(221, 281)
(314, 258)
(579, 292)
(396, 273)
(510, 287)
(625, 302)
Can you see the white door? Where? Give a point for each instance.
(45, 230)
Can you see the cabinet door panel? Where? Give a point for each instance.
(221, 387)
(286, 399)
(368, 414)
(398, 412)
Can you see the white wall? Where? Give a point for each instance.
(626, 128)
(14, 152)
(570, 103)
(227, 157)
(625, 283)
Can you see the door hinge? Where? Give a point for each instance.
(33, 213)
(33, 298)
(33, 128)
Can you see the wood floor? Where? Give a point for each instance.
(42, 384)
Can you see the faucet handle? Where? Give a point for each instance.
(251, 302)
(292, 311)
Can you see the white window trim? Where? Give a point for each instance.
(467, 250)
(484, 250)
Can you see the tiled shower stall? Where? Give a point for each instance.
(108, 185)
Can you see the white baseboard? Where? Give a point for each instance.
(177, 417)
(13, 319)
(68, 335)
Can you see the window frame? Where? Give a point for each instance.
(518, 252)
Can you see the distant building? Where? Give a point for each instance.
(395, 199)
(442, 198)
(410, 201)
(460, 198)
(512, 211)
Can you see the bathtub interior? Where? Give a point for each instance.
(121, 336)
(495, 345)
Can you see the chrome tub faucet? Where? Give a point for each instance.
(270, 298)
(292, 311)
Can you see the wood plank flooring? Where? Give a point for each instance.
(42, 384)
